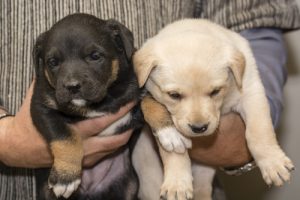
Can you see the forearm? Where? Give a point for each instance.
(20, 144)
(4, 123)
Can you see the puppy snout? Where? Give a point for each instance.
(198, 128)
(73, 86)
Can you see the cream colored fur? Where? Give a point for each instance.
(195, 58)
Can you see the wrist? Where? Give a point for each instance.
(239, 170)
(5, 124)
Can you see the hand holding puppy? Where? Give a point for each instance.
(30, 150)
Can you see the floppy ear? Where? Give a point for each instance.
(237, 68)
(143, 64)
(36, 54)
(122, 37)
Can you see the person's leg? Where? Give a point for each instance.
(218, 192)
(148, 166)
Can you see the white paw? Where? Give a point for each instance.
(276, 169)
(65, 190)
(172, 140)
(177, 188)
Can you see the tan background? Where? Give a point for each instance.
(251, 186)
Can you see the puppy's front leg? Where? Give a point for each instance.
(178, 180)
(65, 174)
(275, 166)
(66, 148)
(159, 119)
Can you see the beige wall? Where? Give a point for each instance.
(251, 186)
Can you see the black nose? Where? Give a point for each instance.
(198, 128)
(73, 86)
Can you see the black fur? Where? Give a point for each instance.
(73, 60)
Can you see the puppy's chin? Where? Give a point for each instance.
(79, 102)
(185, 130)
(65, 99)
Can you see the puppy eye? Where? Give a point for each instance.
(52, 62)
(175, 95)
(95, 55)
(215, 92)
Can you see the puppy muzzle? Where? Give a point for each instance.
(79, 92)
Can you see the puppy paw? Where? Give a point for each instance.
(179, 189)
(172, 140)
(63, 184)
(276, 169)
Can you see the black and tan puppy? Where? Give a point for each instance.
(83, 69)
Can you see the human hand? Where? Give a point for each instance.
(96, 147)
(21, 145)
(225, 148)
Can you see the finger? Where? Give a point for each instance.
(97, 144)
(94, 126)
(90, 161)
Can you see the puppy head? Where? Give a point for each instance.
(79, 57)
(191, 75)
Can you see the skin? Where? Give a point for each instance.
(225, 148)
(18, 133)
(215, 150)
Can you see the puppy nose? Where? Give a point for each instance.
(73, 86)
(198, 128)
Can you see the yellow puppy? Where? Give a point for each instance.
(196, 71)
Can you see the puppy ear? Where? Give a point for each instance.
(36, 54)
(122, 36)
(237, 68)
(143, 63)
